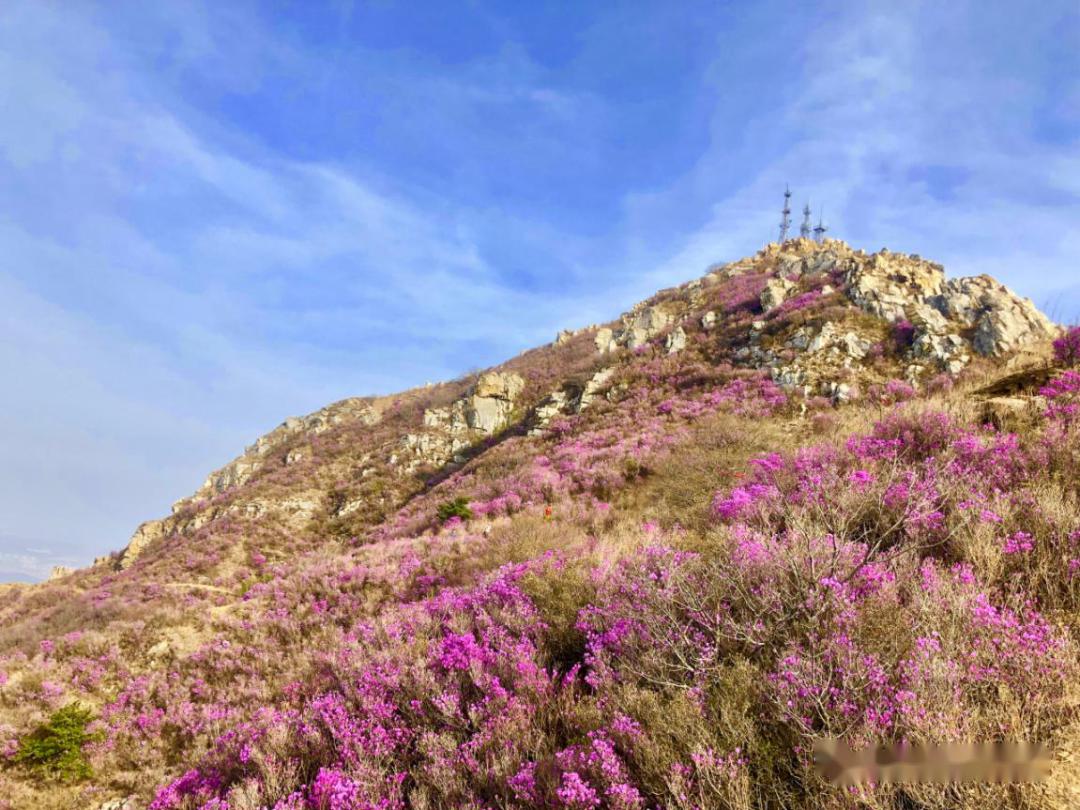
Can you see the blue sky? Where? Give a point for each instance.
(215, 215)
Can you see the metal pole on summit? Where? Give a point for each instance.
(785, 220)
(819, 231)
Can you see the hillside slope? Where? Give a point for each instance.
(815, 492)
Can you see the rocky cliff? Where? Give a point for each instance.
(941, 323)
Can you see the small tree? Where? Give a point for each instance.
(458, 507)
(55, 747)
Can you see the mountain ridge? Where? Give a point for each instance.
(815, 491)
(951, 319)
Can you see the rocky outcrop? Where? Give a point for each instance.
(898, 287)
(240, 470)
(146, 534)
(1002, 321)
(637, 328)
(553, 405)
(593, 386)
(823, 350)
(833, 339)
(887, 284)
(775, 293)
(676, 340)
(488, 407)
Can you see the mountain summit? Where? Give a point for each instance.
(815, 492)
(796, 311)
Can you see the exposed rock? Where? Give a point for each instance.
(488, 414)
(450, 417)
(789, 264)
(240, 470)
(146, 534)
(491, 402)
(894, 286)
(948, 351)
(1002, 321)
(775, 293)
(592, 387)
(799, 340)
(676, 340)
(846, 343)
(645, 325)
(888, 284)
(708, 320)
(929, 319)
(605, 340)
(838, 392)
(1004, 412)
(788, 377)
(822, 261)
(434, 448)
(555, 404)
(563, 337)
(498, 385)
(637, 328)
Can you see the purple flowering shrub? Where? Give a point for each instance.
(1067, 348)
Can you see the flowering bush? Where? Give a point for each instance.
(1067, 348)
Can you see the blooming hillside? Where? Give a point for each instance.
(813, 493)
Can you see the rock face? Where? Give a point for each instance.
(239, 470)
(485, 409)
(676, 340)
(775, 293)
(593, 386)
(887, 284)
(489, 406)
(147, 533)
(554, 404)
(637, 328)
(1003, 322)
(898, 287)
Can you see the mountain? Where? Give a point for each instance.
(816, 492)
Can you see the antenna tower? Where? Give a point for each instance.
(819, 231)
(785, 221)
(804, 229)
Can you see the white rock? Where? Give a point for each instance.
(676, 340)
(775, 293)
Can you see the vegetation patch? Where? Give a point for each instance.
(55, 748)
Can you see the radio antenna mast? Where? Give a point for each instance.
(785, 221)
(804, 229)
(819, 231)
